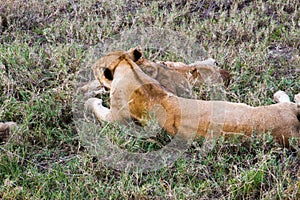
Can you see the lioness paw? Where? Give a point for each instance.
(297, 99)
(101, 112)
(93, 102)
(281, 96)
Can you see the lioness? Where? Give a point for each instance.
(175, 77)
(135, 95)
(200, 71)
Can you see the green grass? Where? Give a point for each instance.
(43, 44)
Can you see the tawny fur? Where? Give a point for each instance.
(201, 71)
(135, 95)
(175, 77)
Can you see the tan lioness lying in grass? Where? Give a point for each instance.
(135, 95)
(200, 71)
(176, 77)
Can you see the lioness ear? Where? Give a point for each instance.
(107, 74)
(135, 53)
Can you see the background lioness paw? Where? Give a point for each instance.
(93, 102)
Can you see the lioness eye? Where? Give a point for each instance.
(108, 74)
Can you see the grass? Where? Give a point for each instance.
(45, 43)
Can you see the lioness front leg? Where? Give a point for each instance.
(102, 113)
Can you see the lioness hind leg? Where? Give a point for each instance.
(92, 88)
(281, 96)
(209, 61)
(102, 113)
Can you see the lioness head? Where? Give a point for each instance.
(104, 70)
(170, 79)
